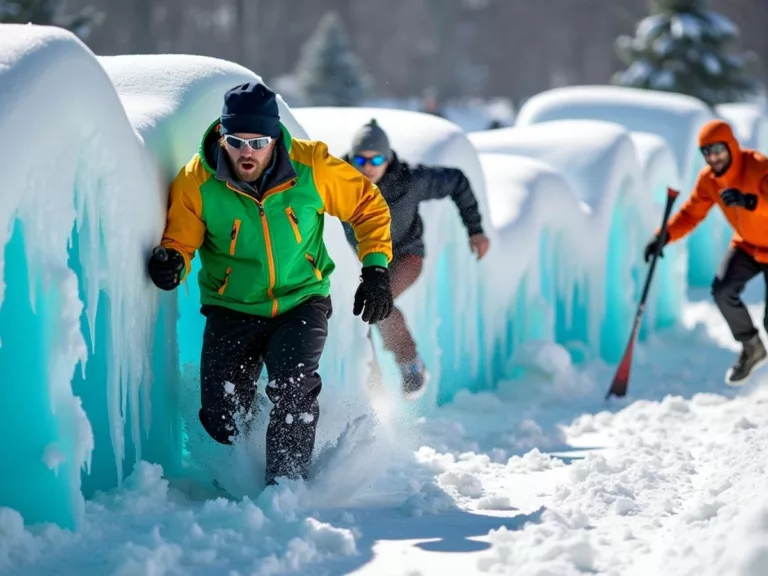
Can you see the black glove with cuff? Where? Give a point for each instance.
(374, 295)
(165, 267)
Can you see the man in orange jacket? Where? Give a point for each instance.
(736, 180)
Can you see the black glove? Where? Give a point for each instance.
(165, 268)
(650, 248)
(735, 197)
(374, 294)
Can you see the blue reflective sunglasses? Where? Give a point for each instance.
(377, 160)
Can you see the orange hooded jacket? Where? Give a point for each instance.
(748, 173)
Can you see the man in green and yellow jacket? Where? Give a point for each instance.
(251, 202)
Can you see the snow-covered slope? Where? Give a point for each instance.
(674, 117)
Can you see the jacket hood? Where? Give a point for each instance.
(720, 131)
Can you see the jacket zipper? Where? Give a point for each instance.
(318, 274)
(270, 259)
(294, 223)
(232, 244)
(234, 236)
(267, 239)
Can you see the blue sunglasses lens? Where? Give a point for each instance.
(377, 160)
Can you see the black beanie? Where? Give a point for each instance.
(252, 109)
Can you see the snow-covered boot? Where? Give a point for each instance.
(415, 378)
(753, 355)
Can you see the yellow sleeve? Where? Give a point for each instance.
(184, 227)
(351, 197)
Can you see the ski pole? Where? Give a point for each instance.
(621, 378)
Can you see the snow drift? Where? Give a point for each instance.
(586, 265)
(674, 117)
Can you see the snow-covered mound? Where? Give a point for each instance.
(97, 188)
(750, 123)
(171, 99)
(590, 259)
(675, 117)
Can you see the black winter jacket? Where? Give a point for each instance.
(405, 186)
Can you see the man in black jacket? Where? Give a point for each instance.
(404, 187)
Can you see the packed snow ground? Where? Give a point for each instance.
(541, 478)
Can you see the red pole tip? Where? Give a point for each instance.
(672, 193)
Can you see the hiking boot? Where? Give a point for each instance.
(415, 378)
(752, 356)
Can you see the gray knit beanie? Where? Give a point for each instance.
(371, 138)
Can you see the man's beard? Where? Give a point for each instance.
(724, 169)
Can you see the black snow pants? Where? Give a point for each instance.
(235, 348)
(736, 270)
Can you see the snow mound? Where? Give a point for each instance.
(674, 117)
(171, 99)
(592, 168)
(750, 123)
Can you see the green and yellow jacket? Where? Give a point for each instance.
(262, 251)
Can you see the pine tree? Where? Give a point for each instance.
(329, 73)
(684, 47)
(49, 13)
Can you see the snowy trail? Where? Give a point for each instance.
(541, 478)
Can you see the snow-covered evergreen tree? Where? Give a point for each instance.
(685, 47)
(329, 73)
(49, 13)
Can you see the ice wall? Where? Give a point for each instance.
(674, 117)
(78, 216)
(587, 267)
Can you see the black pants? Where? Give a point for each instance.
(736, 269)
(235, 348)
